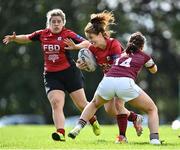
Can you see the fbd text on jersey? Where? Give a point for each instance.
(51, 47)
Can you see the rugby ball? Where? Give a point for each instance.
(85, 55)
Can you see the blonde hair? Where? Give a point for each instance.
(100, 22)
(55, 12)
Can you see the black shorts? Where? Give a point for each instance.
(69, 80)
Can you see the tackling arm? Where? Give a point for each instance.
(152, 67)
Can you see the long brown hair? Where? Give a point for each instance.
(135, 42)
(99, 23)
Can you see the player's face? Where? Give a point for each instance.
(56, 24)
(95, 39)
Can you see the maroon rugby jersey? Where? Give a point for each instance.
(56, 58)
(105, 57)
(129, 65)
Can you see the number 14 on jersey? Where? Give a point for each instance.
(125, 63)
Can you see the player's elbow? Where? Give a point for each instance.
(153, 69)
(87, 43)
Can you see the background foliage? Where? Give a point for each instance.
(21, 66)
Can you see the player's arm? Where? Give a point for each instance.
(152, 67)
(72, 46)
(16, 38)
(75, 41)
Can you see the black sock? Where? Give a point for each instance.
(82, 123)
(154, 136)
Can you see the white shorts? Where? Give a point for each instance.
(122, 87)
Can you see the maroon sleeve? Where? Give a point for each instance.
(35, 36)
(148, 61)
(75, 37)
(146, 58)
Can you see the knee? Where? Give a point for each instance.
(152, 109)
(56, 103)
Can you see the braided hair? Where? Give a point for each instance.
(135, 42)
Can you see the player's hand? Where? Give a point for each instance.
(9, 38)
(81, 65)
(105, 67)
(70, 44)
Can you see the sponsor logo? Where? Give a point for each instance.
(51, 47)
(53, 57)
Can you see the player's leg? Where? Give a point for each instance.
(87, 113)
(102, 94)
(56, 96)
(131, 116)
(74, 85)
(116, 108)
(145, 103)
(80, 101)
(56, 99)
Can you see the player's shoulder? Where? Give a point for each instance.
(144, 55)
(66, 30)
(42, 30)
(114, 42)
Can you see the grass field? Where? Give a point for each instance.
(39, 137)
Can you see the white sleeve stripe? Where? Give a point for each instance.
(149, 63)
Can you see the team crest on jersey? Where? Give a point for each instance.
(59, 38)
(108, 58)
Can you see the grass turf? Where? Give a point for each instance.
(39, 137)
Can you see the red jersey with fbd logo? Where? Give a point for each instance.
(105, 57)
(130, 65)
(56, 58)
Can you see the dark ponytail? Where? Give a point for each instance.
(135, 43)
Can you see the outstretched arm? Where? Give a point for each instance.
(72, 46)
(16, 38)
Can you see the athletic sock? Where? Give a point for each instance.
(122, 123)
(154, 136)
(132, 117)
(82, 123)
(92, 120)
(61, 130)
